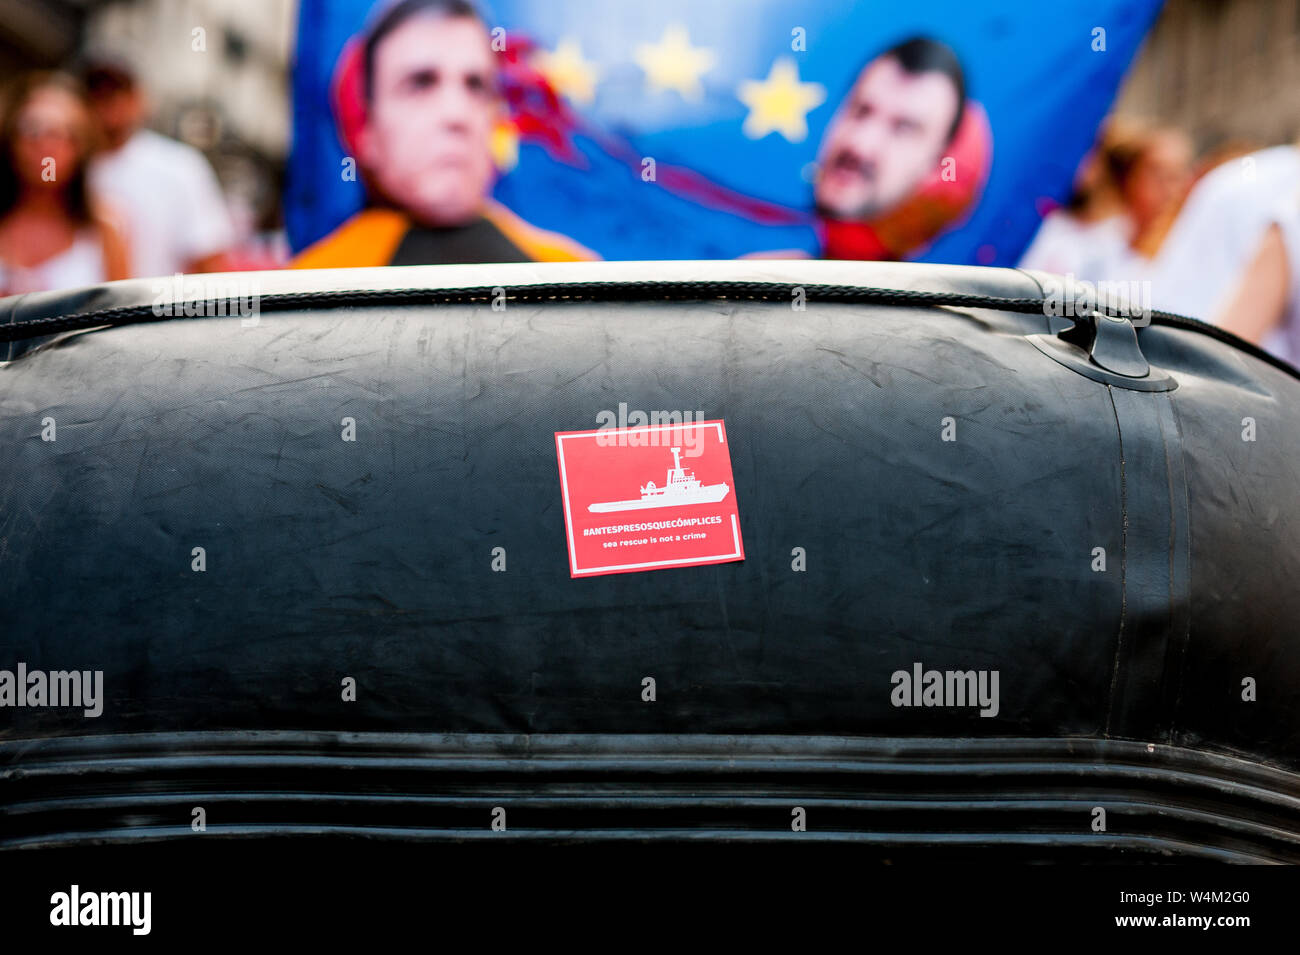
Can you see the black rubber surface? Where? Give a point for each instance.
(372, 559)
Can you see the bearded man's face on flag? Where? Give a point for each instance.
(433, 103)
(889, 135)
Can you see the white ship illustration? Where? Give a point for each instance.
(682, 488)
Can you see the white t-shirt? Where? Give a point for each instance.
(169, 200)
(1218, 233)
(1067, 246)
(81, 264)
(1219, 229)
(1285, 341)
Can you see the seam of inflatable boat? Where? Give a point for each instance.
(886, 792)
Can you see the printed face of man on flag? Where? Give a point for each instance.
(905, 157)
(431, 89)
(420, 97)
(890, 132)
(527, 131)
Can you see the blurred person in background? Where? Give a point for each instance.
(253, 198)
(53, 232)
(1092, 227)
(1264, 308)
(1233, 254)
(1152, 171)
(1130, 198)
(431, 102)
(1224, 150)
(168, 195)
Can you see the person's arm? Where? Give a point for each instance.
(209, 232)
(217, 262)
(1259, 304)
(117, 258)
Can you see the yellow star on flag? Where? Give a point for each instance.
(568, 72)
(673, 64)
(780, 103)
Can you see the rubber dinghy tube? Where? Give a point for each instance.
(313, 567)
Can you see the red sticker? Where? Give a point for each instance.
(647, 498)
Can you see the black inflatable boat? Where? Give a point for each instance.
(1010, 581)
